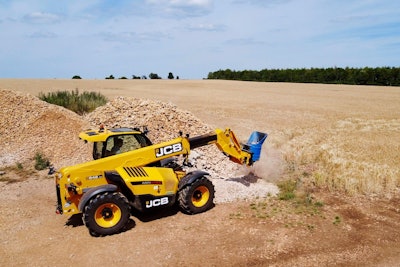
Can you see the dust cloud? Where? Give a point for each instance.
(269, 168)
(271, 165)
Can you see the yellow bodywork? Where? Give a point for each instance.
(227, 142)
(75, 180)
(158, 181)
(133, 167)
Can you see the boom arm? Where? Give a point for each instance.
(227, 142)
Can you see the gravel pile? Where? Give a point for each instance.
(164, 121)
(29, 126)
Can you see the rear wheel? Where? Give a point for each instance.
(197, 197)
(106, 213)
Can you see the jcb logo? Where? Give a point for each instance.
(157, 202)
(163, 151)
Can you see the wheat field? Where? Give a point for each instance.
(341, 137)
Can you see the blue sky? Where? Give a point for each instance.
(190, 38)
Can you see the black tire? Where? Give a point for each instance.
(197, 197)
(106, 214)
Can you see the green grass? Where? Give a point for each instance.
(293, 206)
(287, 189)
(337, 220)
(79, 103)
(41, 162)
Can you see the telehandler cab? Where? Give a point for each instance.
(128, 171)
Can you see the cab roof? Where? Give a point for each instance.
(102, 134)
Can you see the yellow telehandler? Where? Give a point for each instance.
(129, 172)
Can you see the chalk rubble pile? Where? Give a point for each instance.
(29, 126)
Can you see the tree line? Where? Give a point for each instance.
(385, 76)
(134, 77)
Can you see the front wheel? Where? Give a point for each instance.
(197, 197)
(106, 214)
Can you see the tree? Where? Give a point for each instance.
(76, 77)
(111, 77)
(154, 76)
(170, 76)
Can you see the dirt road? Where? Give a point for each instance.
(334, 230)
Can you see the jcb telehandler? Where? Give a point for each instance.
(128, 171)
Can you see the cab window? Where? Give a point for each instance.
(118, 144)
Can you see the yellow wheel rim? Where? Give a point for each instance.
(200, 196)
(108, 215)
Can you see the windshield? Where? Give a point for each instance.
(118, 144)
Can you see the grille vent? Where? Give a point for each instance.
(136, 172)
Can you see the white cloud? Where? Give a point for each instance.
(41, 18)
(204, 3)
(207, 27)
(44, 34)
(181, 8)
